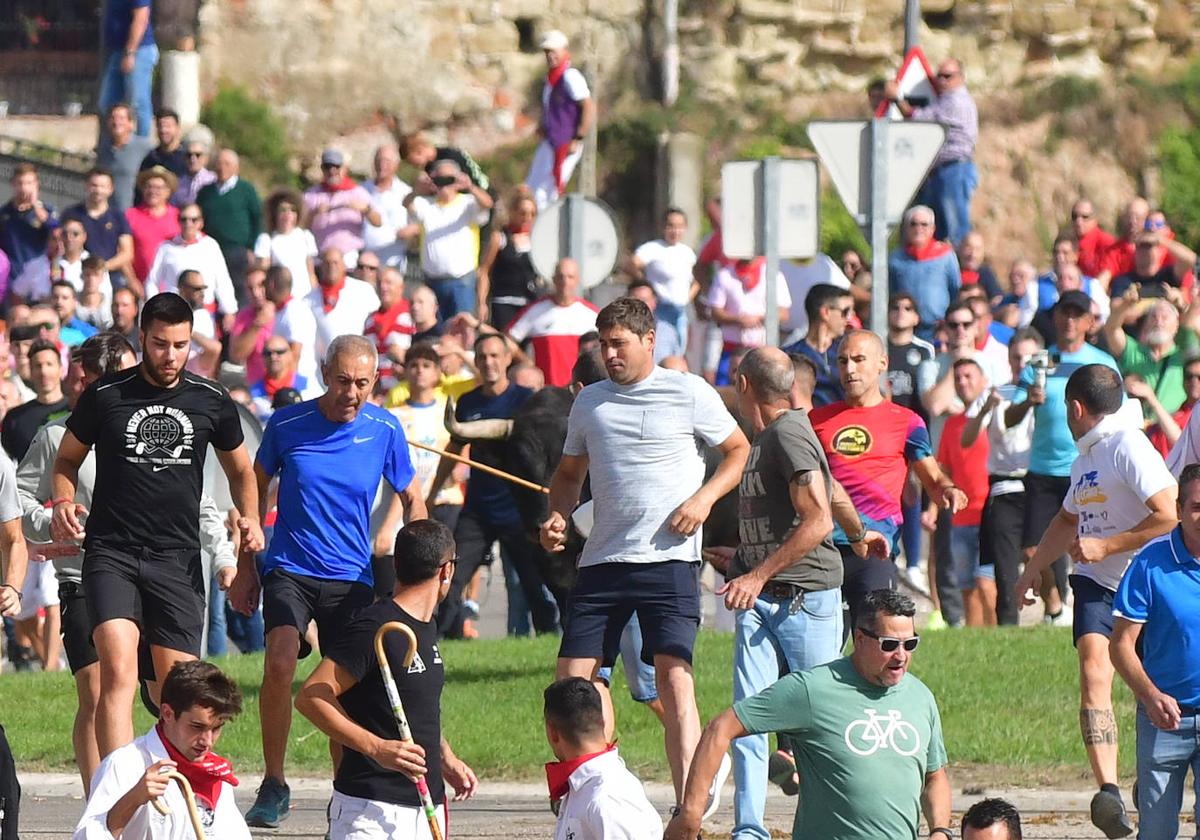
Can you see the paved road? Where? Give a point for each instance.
(51, 805)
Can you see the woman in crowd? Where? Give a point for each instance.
(507, 280)
(287, 244)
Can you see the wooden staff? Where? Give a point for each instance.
(475, 465)
(189, 798)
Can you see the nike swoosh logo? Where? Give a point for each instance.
(363, 440)
(160, 468)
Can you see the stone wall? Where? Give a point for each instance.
(472, 68)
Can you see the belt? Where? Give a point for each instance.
(779, 589)
(993, 479)
(952, 162)
(1189, 711)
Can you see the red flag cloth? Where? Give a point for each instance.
(559, 772)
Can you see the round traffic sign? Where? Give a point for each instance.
(550, 239)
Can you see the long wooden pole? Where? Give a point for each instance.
(475, 465)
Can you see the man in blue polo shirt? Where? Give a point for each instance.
(330, 455)
(1042, 389)
(1159, 600)
(25, 221)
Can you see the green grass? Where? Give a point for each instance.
(1008, 700)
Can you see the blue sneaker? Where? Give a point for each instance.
(271, 806)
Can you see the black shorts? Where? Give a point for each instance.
(1093, 608)
(76, 626)
(292, 600)
(161, 590)
(665, 596)
(1044, 496)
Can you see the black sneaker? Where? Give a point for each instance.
(1108, 815)
(271, 806)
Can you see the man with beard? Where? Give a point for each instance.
(150, 427)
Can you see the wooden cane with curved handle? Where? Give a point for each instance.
(389, 684)
(188, 796)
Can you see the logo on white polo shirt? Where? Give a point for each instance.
(1087, 490)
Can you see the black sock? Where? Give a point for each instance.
(1055, 615)
(1111, 788)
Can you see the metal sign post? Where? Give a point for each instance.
(768, 193)
(877, 224)
(912, 23)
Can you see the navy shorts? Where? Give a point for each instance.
(1093, 608)
(665, 596)
(292, 600)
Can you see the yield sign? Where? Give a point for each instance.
(846, 146)
(915, 81)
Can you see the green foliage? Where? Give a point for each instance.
(240, 121)
(1179, 152)
(1060, 96)
(839, 231)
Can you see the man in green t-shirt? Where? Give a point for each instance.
(1165, 341)
(867, 734)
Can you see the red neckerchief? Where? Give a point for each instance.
(347, 183)
(558, 773)
(516, 229)
(205, 774)
(750, 272)
(980, 343)
(969, 276)
(555, 74)
(271, 384)
(932, 250)
(330, 294)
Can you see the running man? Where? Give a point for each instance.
(1121, 496)
(871, 443)
(636, 432)
(374, 797)
(143, 576)
(330, 454)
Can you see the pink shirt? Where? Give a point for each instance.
(148, 233)
(335, 224)
(255, 369)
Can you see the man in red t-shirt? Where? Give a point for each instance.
(553, 325)
(1093, 241)
(968, 467)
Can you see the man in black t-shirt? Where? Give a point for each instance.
(22, 423)
(373, 788)
(151, 427)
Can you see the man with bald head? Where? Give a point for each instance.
(330, 454)
(871, 444)
(387, 194)
(232, 216)
(784, 581)
(553, 325)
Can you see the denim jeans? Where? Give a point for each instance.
(218, 643)
(677, 317)
(1163, 759)
(639, 677)
(767, 637)
(454, 294)
(133, 89)
(947, 191)
(964, 548)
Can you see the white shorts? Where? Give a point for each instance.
(39, 590)
(352, 818)
(541, 174)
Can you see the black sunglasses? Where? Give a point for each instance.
(888, 644)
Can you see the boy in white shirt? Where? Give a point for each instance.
(666, 264)
(592, 792)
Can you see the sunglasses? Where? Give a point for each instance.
(46, 326)
(189, 218)
(889, 644)
(269, 352)
(1191, 377)
(330, 166)
(959, 325)
(947, 75)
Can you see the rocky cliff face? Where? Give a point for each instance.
(472, 66)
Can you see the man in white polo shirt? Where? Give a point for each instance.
(553, 325)
(1121, 496)
(634, 435)
(449, 209)
(340, 304)
(667, 265)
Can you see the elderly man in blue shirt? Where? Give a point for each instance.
(925, 268)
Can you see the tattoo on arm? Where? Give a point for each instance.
(1099, 726)
(803, 479)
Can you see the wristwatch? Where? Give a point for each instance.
(942, 830)
(860, 536)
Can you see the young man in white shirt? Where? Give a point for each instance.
(197, 701)
(591, 790)
(667, 265)
(634, 436)
(1121, 496)
(194, 250)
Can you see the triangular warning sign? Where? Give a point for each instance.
(915, 81)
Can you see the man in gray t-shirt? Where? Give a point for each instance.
(12, 542)
(639, 433)
(785, 580)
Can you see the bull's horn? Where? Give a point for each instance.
(476, 429)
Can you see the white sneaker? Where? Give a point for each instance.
(714, 792)
(1063, 619)
(914, 579)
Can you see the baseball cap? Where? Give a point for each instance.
(1075, 299)
(332, 157)
(553, 40)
